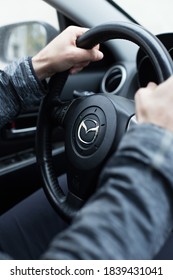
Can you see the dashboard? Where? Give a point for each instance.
(146, 72)
(115, 75)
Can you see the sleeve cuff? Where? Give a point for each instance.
(23, 79)
(42, 84)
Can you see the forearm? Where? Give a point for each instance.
(19, 89)
(131, 214)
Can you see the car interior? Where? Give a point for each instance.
(17, 153)
(129, 62)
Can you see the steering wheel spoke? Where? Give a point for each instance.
(93, 124)
(59, 111)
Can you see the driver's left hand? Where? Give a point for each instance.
(62, 54)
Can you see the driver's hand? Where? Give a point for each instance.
(154, 104)
(62, 54)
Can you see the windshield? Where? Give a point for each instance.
(155, 15)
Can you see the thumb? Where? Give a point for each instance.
(151, 85)
(91, 55)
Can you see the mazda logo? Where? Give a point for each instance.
(88, 131)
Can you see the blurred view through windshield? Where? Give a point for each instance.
(155, 15)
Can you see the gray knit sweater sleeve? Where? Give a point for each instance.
(131, 214)
(19, 89)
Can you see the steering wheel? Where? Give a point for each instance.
(93, 124)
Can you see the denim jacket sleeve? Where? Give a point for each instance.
(19, 89)
(131, 214)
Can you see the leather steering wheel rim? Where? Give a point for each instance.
(162, 63)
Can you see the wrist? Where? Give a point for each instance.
(41, 67)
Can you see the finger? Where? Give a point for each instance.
(75, 70)
(91, 55)
(81, 65)
(151, 85)
(78, 67)
(141, 98)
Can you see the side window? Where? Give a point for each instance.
(26, 30)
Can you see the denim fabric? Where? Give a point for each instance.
(131, 214)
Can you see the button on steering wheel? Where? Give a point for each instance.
(93, 124)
